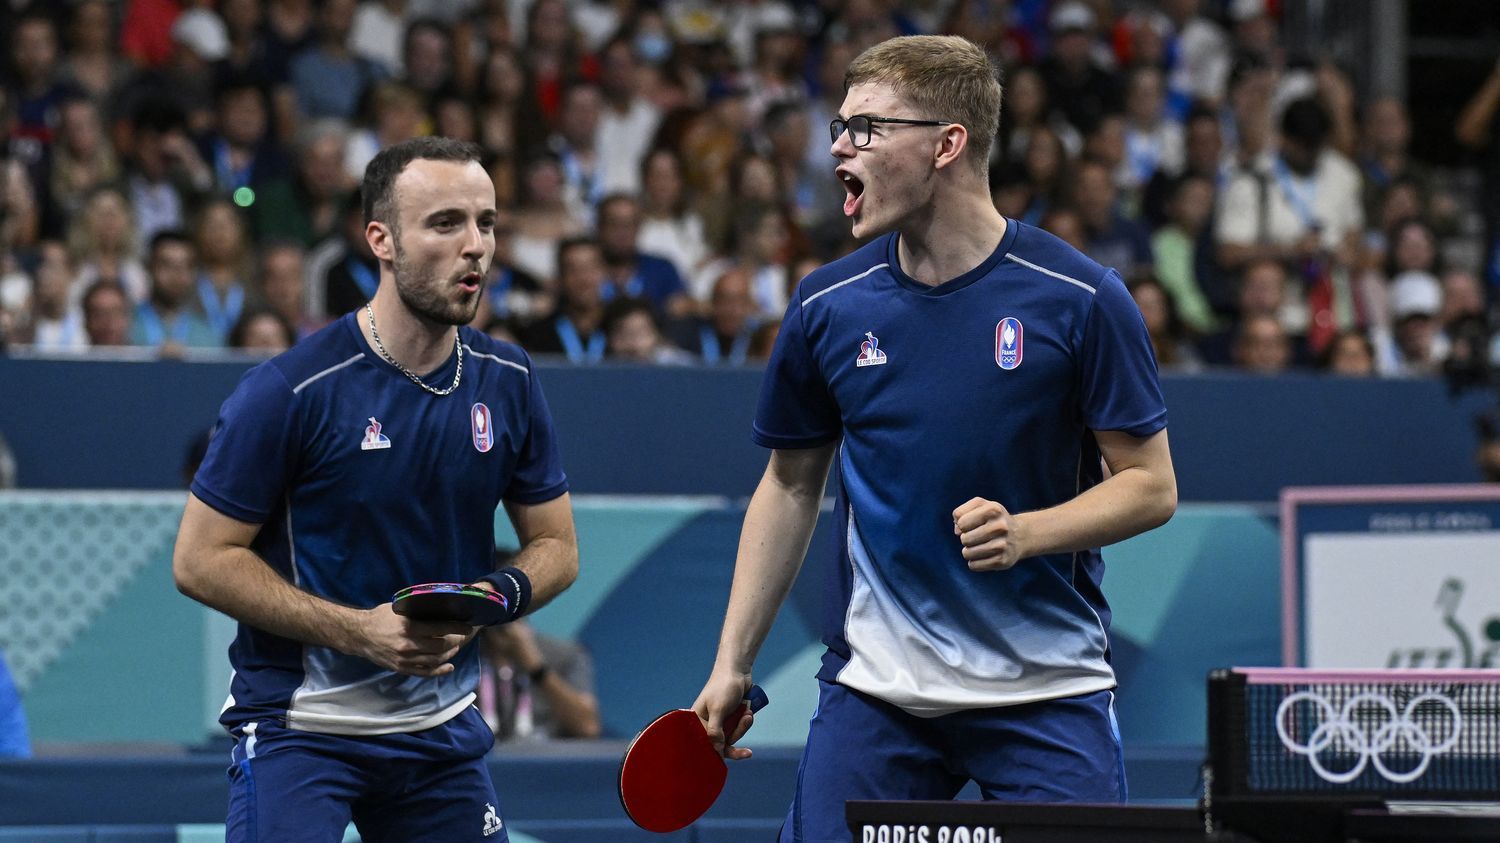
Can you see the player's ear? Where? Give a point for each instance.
(950, 145)
(381, 239)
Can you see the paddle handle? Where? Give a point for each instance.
(755, 700)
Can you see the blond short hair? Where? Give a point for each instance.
(945, 77)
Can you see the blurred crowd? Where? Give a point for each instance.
(181, 175)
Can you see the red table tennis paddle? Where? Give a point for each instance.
(451, 601)
(671, 774)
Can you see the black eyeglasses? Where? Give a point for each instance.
(859, 125)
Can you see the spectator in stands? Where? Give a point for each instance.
(1385, 157)
(283, 285)
(242, 151)
(1416, 301)
(1350, 353)
(427, 53)
(328, 78)
(92, 64)
(82, 159)
(1109, 237)
(1262, 346)
(631, 272)
(1164, 326)
(1307, 212)
(306, 209)
(723, 337)
(165, 176)
(577, 328)
(1174, 248)
(1081, 89)
(14, 741)
(34, 84)
(259, 56)
(343, 270)
(56, 319)
(535, 686)
(102, 240)
(263, 332)
(1048, 173)
(1154, 139)
(1198, 67)
(107, 313)
(627, 120)
(1478, 128)
(633, 334)
(669, 225)
(577, 144)
(1027, 110)
(1262, 292)
(377, 32)
(508, 118)
(224, 256)
(171, 319)
(513, 296)
(761, 245)
(398, 115)
(543, 218)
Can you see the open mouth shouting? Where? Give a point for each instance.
(855, 189)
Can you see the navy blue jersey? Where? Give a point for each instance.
(367, 483)
(987, 385)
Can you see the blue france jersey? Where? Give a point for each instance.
(988, 385)
(365, 484)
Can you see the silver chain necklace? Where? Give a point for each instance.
(457, 343)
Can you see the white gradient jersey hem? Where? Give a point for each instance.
(310, 719)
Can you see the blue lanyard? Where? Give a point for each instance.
(498, 291)
(713, 351)
(1300, 197)
(230, 178)
(364, 278)
(588, 183)
(574, 346)
(221, 316)
(155, 332)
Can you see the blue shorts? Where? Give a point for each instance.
(433, 785)
(858, 747)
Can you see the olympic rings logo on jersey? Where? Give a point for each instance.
(1385, 730)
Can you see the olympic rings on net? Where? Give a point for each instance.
(1367, 740)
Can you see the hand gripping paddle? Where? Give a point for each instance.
(451, 601)
(671, 774)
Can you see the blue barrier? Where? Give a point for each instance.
(113, 424)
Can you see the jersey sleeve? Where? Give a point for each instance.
(1120, 389)
(538, 476)
(253, 449)
(796, 409)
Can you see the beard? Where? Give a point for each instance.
(421, 290)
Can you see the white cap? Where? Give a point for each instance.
(1415, 293)
(1072, 15)
(1241, 10)
(203, 32)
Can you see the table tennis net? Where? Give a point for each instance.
(1399, 733)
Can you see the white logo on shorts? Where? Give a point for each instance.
(492, 822)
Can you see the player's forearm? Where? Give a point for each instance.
(1130, 502)
(1473, 128)
(551, 563)
(237, 582)
(773, 542)
(576, 713)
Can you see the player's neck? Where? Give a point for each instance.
(955, 236)
(420, 345)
